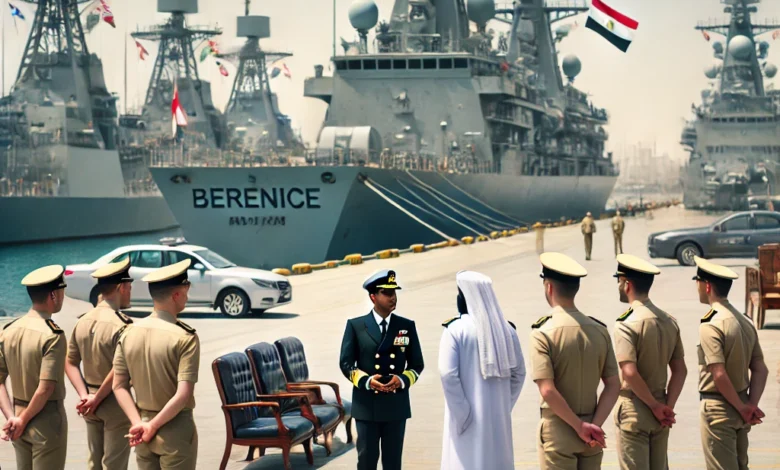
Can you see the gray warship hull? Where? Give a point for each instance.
(275, 217)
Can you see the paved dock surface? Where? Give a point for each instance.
(324, 300)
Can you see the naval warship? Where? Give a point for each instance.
(439, 132)
(732, 138)
(62, 165)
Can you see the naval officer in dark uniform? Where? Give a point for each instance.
(381, 356)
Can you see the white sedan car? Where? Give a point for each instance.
(216, 282)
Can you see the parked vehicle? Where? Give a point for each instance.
(216, 282)
(736, 235)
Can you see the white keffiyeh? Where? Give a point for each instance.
(494, 334)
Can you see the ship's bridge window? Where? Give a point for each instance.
(341, 65)
(369, 64)
(445, 63)
(353, 64)
(399, 64)
(461, 63)
(385, 64)
(429, 63)
(415, 64)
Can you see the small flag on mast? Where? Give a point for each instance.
(612, 25)
(179, 118)
(142, 52)
(15, 11)
(706, 35)
(108, 16)
(222, 69)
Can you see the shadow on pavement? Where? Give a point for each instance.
(273, 457)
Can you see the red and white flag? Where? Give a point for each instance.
(222, 69)
(705, 34)
(142, 52)
(108, 16)
(179, 117)
(614, 26)
(286, 71)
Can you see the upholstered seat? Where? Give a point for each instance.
(268, 427)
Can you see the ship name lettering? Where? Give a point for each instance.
(256, 198)
(260, 221)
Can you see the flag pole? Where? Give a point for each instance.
(125, 97)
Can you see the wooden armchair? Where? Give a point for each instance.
(271, 382)
(254, 423)
(763, 284)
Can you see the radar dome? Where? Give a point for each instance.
(770, 70)
(481, 11)
(711, 71)
(571, 66)
(718, 47)
(741, 47)
(363, 14)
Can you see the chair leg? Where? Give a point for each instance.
(328, 438)
(251, 454)
(261, 450)
(226, 455)
(286, 456)
(307, 449)
(348, 425)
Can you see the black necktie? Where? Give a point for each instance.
(384, 327)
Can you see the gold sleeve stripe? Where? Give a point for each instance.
(412, 376)
(356, 375)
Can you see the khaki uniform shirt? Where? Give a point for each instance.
(588, 225)
(94, 341)
(32, 349)
(618, 225)
(576, 352)
(727, 337)
(157, 353)
(649, 337)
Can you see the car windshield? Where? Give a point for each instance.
(214, 259)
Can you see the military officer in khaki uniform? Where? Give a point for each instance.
(161, 354)
(588, 228)
(32, 352)
(728, 348)
(570, 435)
(93, 342)
(618, 225)
(647, 341)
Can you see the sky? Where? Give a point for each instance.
(648, 91)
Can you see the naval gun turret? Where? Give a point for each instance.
(176, 66)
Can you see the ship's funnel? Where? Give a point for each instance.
(188, 7)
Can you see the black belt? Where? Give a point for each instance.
(19, 402)
(93, 385)
(711, 396)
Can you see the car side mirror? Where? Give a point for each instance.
(199, 267)
(719, 228)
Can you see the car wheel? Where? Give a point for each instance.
(93, 296)
(686, 252)
(234, 303)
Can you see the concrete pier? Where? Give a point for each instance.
(324, 300)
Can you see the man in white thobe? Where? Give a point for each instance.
(482, 372)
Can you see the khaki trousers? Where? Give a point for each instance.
(109, 449)
(588, 244)
(724, 436)
(642, 441)
(618, 243)
(175, 446)
(44, 442)
(560, 448)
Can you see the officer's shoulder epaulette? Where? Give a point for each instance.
(125, 319)
(82, 315)
(626, 314)
(706, 318)
(53, 326)
(121, 330)
(10, 323)
(541, 321)
(186, 327)
(598, 321)
(447, 323)
(512, 325)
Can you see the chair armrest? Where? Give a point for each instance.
(332, 385)
(303, 399)
(313, 389)
(261, 404)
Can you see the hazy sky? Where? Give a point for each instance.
(648, 91)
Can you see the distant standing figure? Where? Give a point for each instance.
(617, 231)
(588, 229)
(539, 229)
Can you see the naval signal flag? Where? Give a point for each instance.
(15, 12)
(179, 118)
(614, 26)
(142, 52)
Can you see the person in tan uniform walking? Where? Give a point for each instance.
(728, 348)
(32, 352)
(569, 436)
(618, 225)
(588, 228)
(647, 341)
(162, 355)
(93, 342)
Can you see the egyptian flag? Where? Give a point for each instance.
(108, 16)
(616, 27)
(179, 118)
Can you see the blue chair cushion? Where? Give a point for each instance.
(347, 407)
(268, 427)
(327, 415)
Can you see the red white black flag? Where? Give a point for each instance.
(614, 26)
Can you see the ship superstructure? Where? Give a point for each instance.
(733, 138)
